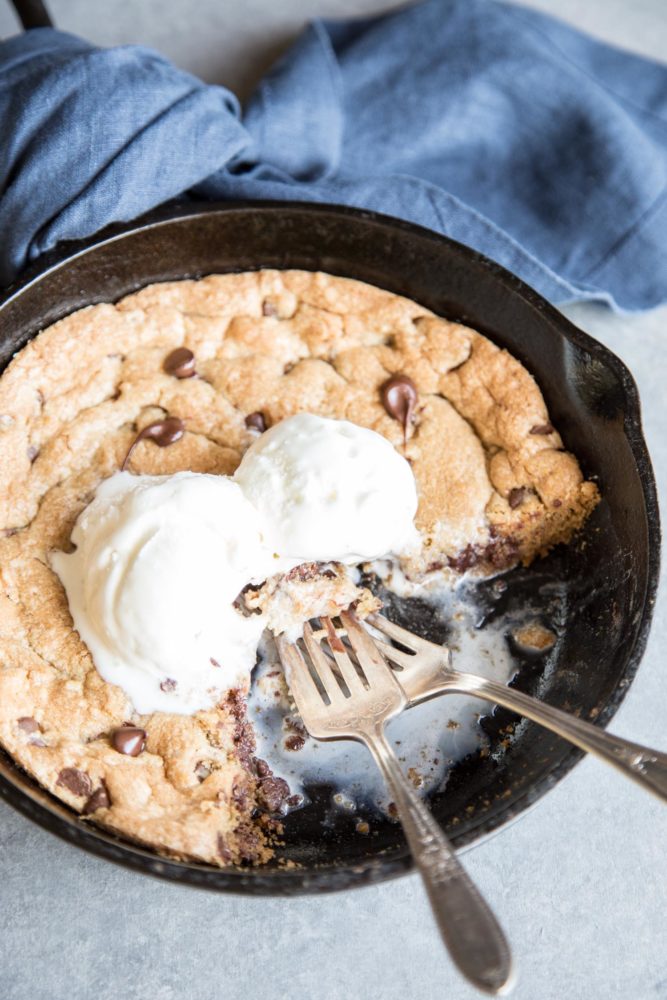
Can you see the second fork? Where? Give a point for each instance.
(336, 701)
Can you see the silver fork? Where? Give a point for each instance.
(329, 712)
(427, 671)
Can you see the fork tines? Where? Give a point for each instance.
(342, 663)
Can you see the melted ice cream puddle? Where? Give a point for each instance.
(429, 738)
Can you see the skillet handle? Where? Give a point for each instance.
(32, 14)
(646, 767)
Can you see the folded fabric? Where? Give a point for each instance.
(495, 125)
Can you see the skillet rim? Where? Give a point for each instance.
(36, 804)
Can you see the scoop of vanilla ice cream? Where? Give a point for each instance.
(158, 562)
(330, 490)
(160, 559)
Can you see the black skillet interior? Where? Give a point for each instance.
(601, 589)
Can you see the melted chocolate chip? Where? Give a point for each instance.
(467, 558)
(75, 781)
(202, 770)
(180, 363)
(399, 398)
(241, 795)
(33, 452)
(500, 552)
(307, 571)
(272, 793)
(27, 724)
(129, 740)
(262, 768)
(269, 308)
(542, 429)
(243, 734)
(295, 742)
(98, 800)
(162, 432)
(256, 421)
(168, 686)
(244, 741)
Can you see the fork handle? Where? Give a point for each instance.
(469, 929)
(645, 766)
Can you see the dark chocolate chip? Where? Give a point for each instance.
(269, 308)
(542, 429)
(399, 398)
(162, 432)
(213, 662)
(256, 421)
(180, 363)
(272, 793)
(202, 770)
(28, 724)
(294, 801)
(33, 452)
(557, 503)
(516, 496)
(98, 800)
(75, 781)
(129, 740)
(168, 686)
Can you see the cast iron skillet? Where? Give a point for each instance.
(599, 593)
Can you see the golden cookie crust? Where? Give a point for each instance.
(494, 482)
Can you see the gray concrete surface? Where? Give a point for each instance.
(580, 882)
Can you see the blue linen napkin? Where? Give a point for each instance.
(493, 124)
